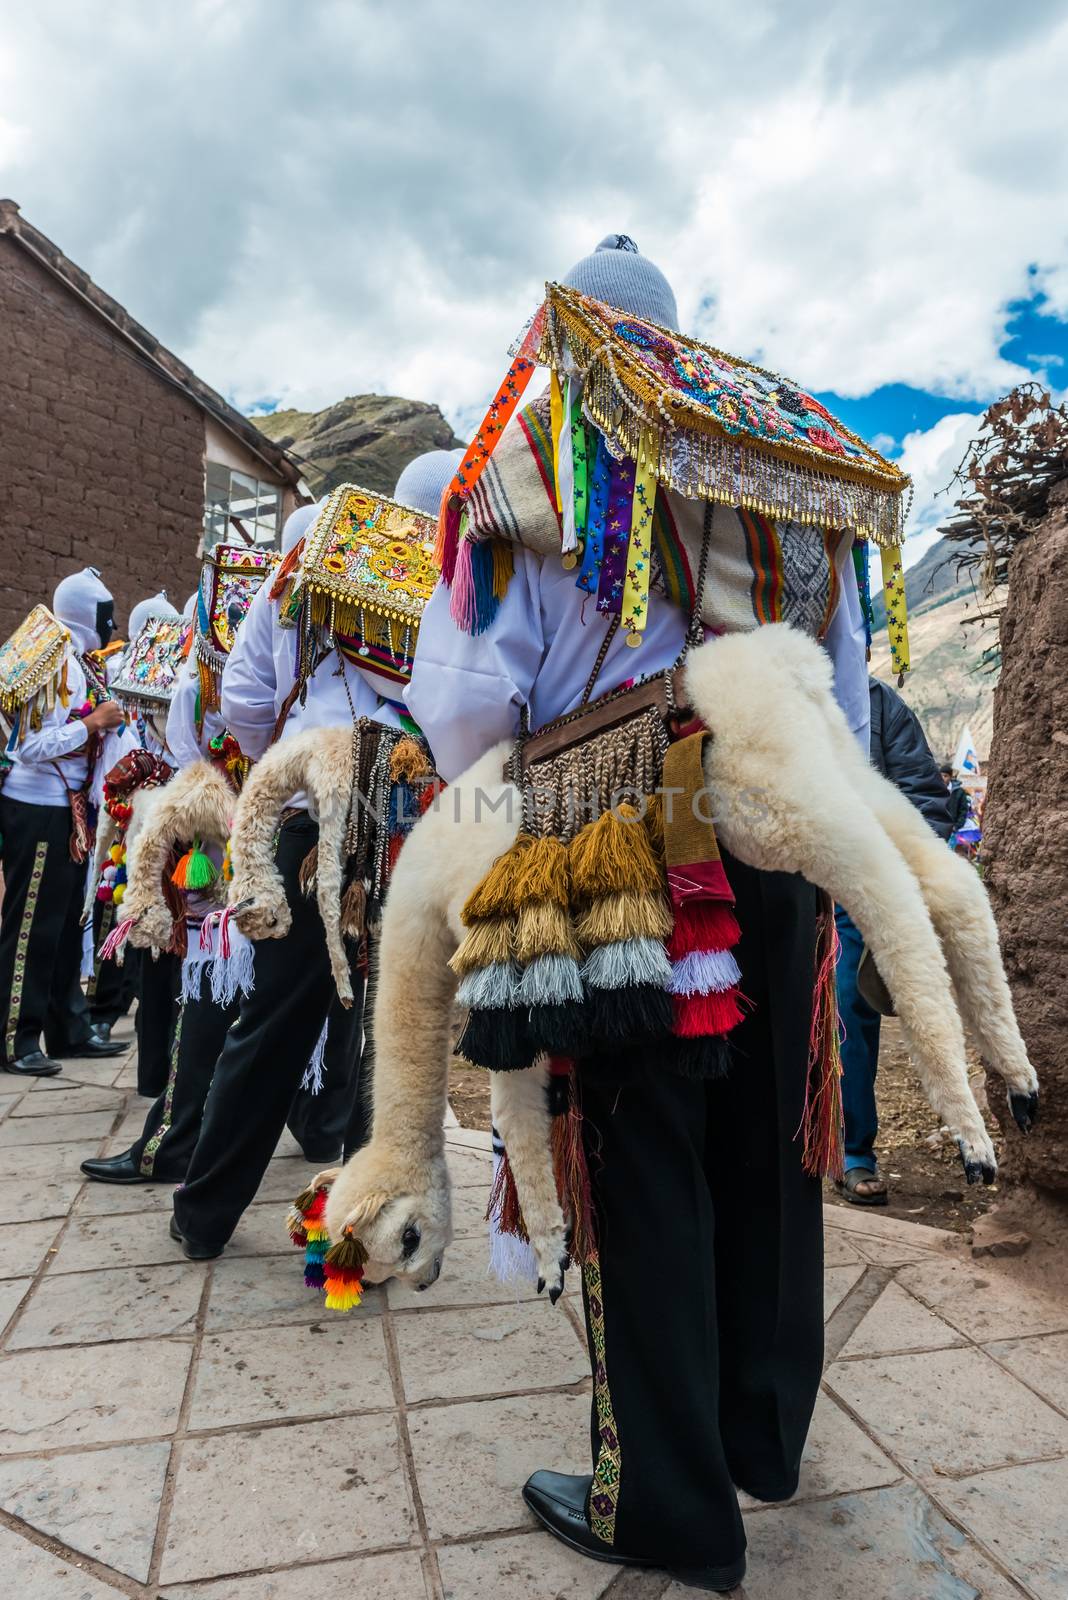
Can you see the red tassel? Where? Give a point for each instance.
(393, 850)
(447, 544)
(697, 1015)
(703, 925)
(822, 1127)
(572, 1175)
(504, 1207)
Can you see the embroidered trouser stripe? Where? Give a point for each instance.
(18, 977)
(153, 1142)
(608, 1468)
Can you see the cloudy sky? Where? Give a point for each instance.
(313, 198)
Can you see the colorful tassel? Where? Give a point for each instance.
(343, 1271)
(195, 870)
(612, 855)
(822, 1127)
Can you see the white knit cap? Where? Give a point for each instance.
(297, 524)
(424, 480)
(619, 275)
(75, 603)
(156, 605)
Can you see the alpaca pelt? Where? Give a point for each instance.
(108, 833)
(319, 762)
(401, 1176)
(790, 791)
(196, 804)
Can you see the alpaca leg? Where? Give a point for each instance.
(257, 884)
(834, 841)
(960, 910)
(332, 782)
(519, 1105)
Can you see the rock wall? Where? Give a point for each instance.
(1025, 843)
(365, 439)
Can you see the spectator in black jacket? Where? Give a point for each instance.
(902, 754)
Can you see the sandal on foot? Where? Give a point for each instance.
(849, 1187)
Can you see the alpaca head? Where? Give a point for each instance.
(401, 1213)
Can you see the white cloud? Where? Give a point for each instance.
(307, 201)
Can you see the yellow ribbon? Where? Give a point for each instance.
(897, 621)
(556, 421)
(639, 560)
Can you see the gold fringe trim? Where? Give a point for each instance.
(694, 454)
(623, 915)
(486, 943)
(543, 928)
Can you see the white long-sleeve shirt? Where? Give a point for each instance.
(259, 675)
(466, 692)
(33, 777)
(184, 744)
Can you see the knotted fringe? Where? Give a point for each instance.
(822, 1128)
(308, 868)
(503, 1212)
(570, 1168)
(116, 938)
(313, 1072)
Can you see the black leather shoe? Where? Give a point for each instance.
(34, 1064)
(94, 1047)
(190, 1248)
(117, 1169)
(323, 1158)
(560, 1502)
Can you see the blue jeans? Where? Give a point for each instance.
(860, 1051)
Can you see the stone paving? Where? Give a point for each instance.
(176, 1432)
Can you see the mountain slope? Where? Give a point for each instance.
(365, 439)
(950, 683)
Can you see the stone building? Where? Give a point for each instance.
(112, 452)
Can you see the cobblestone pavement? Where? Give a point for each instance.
(180, 1432)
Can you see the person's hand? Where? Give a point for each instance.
(108, 715)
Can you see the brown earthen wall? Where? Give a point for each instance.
(101, 461)
(1025, 835)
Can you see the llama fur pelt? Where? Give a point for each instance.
(400, 1177)
(197, 804)
(319, 762)
(791, 792)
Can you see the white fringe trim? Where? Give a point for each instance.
(313, 1072)
(227, 977)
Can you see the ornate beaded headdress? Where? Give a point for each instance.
(33, 671)
(148, 674)
(366, 574)
(229, 578)
(635, 406)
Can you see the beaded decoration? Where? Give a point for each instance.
(229, 578)
(148, 674)
(634, 407)
(366, 575)
(33, 672)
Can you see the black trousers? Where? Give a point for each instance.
(40, 935)
(172, 1126)
(156, 1017)
(264, 1057)
(705, 1309)
(111, 988)
(338, 1118)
